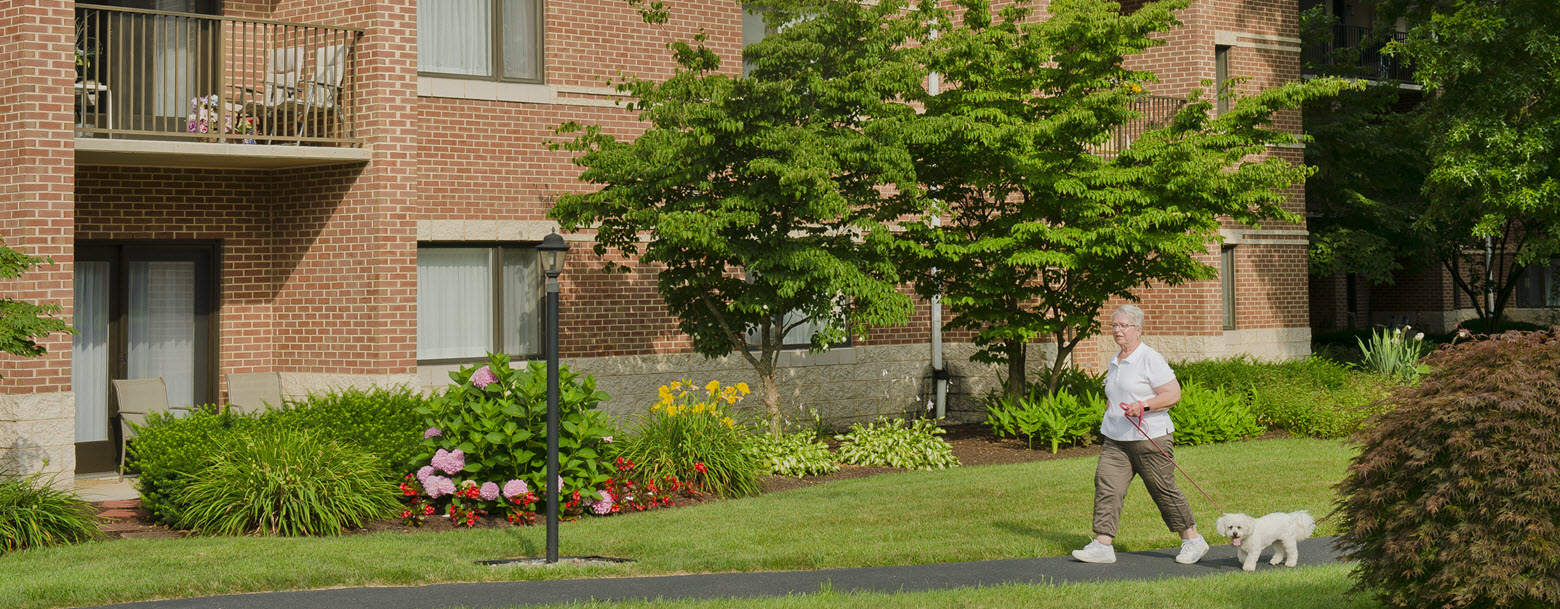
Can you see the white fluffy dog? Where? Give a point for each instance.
(1252, 535)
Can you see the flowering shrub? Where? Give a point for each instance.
(205, 116)
(485, 446)
(691, 435)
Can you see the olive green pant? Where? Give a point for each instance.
(1119, 462)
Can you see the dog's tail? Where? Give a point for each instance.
(1304, 524)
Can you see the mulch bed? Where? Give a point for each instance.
(972, 443)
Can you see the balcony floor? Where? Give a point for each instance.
(158, 153)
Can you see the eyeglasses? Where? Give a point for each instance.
(1123, 326)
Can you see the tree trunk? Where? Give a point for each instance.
(1016, 354)
(766, 378)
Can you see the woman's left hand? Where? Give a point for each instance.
(1134, 409)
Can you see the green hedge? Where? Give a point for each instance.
(1311, 397)
(169, 450)
(383, 422)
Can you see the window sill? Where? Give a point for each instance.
(525, 93)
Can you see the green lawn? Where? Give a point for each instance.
(974, 513)
(1321, 587)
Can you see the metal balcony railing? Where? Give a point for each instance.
(1153, 111)
(1356, 51)
(144, 74)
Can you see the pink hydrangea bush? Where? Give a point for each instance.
(482, 435)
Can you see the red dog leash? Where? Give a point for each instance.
(1171, 459)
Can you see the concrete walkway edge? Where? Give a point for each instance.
(1153, 564)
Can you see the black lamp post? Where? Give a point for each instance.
(552, 249)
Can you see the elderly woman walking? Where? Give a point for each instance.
(1139, 385)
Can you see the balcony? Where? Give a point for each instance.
(1355, 51)
(1153, 111)
(176, 89)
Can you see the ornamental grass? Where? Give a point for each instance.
(287, 482)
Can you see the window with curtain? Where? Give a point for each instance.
(476, 300)
(1227, 285)
(799, 337)
(1538, 286)
(496, 39)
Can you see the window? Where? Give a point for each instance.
(461, 315)
(799, 337)
(459, 37)
(753, 30)
(1227, 284)
(1538, 286)
(1221, 73)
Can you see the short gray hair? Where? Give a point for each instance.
(1132, 312)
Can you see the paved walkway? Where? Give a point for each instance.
(1129, 565)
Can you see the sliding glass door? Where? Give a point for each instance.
(142, 311)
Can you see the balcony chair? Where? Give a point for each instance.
(254, 391)
(274, 104)
(138, 398)
(319, 96)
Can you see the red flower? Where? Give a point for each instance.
(406, 513)
(427, 510)
(700, 466)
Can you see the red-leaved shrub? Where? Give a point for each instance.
(1454, 499)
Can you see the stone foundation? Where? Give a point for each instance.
(38, 434)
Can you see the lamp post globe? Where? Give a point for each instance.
(553, 250)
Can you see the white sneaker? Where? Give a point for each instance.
(1192, 550)
(1097, 553)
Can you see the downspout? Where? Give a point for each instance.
(1489, 281)
(939, 373)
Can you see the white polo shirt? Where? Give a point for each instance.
(1131, 380)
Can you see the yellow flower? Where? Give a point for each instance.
(729, 422)
(671, 411)
(743, 388)
(657, 407)
(676, 385)
(665, 393)
(731, 399)
(713, 386)
(698, 408)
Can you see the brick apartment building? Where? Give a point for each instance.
(369, 217)
(1424, 293)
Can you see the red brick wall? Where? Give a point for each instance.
(486, 160)
(234, 208)
(36, 71)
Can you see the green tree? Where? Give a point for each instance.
(1365, 197)
(23, 323)
(767, 199)
(1489, 69)
(1044, 219)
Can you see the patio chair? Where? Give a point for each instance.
(275, 104)
(138, 398)
(319, 96)
(253, 391)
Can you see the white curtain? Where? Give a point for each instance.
(173, 69)
(89, 352)
(520, 44)
(454, 302)
(522, 302)
(455, 36)
(161, 326)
